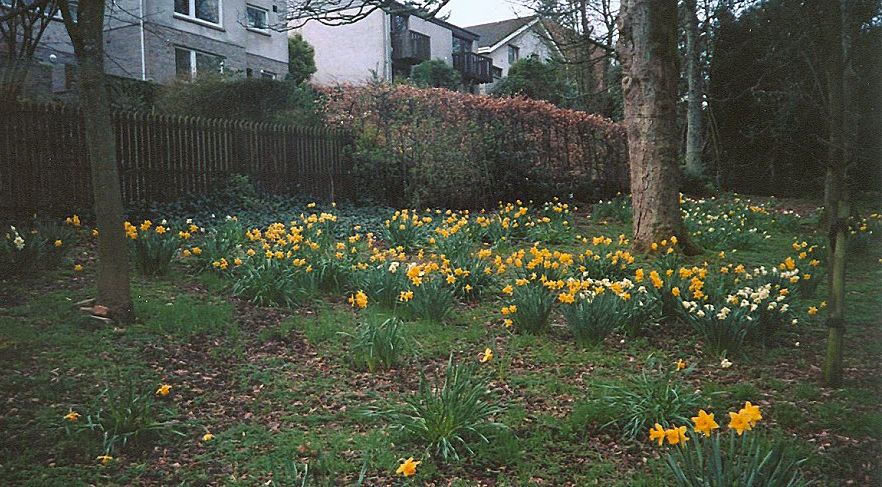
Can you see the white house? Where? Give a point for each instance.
(386, 44)
(507, 41)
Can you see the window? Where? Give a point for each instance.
(497, 72)
(399, 23)
(267, 74)
(461, 45)
(206, 10)
(256, 18)
(189, 63)
(514, 53)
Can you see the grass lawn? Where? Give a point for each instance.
(277, 389)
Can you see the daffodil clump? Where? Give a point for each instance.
(708, 457)
(723, 224)
(153, 246)
(595, 308)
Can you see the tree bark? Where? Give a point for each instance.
(695, 94)
(648, 50)
(87, 36)
(841, 82)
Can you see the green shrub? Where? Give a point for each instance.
(448, 414)
(532, 303)
(219, 241)
(153, 248)
(383, 283)
(725, 460)
(617, 209)
(273, 282)
(592, 317)
(433, 300)
(710, 458)
(378, 345)
(435, 74)
(122, 417)
(653, 396)
(722, 328)
(20, 252)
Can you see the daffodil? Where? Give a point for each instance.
(752, 413)
(408, 467)
(359, 300)
(676, 435)
(681, 364)
(104, 459)
(163, 390)
(657, 433)
(739, 422)
(72, 416)
(705, 423)
(207, 437)
(487, 355)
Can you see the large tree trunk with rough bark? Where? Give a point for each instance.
(648, 50)
(87, 35)
(695, 94)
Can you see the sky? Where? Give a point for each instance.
(472, 12)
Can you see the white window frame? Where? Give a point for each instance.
(191, 16)
(193, 52)
(262, 30)
(264, 74)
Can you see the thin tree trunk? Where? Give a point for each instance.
(695, 95)
(648, 50)
(842, 81)
(87, 35)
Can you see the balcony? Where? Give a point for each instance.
(411, 47)
(473, 67)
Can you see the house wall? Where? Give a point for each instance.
(529, 42)
(441, 38)
(164, 30)
(350, 53)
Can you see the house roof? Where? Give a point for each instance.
(494, 32)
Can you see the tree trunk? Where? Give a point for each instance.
(648, 50)
(842, 80)
(87, 35)
(695, 95)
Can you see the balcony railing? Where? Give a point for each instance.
(411, 47)
(473, 67)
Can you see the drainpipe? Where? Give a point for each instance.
(387, 46)
(143, 47)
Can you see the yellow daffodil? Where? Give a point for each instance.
(681, 364)
(739, 422)
(207, 437)
(359, 300)
(812, 311)
(408, 467)
(72, 416)
(78, 268)
(163, 390)
(657, 433)
(752, 413)
(704, 422)
(104, 459)
(58, 244)
(676, 435)
(487, 355)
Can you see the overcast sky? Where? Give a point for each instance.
(471, 12)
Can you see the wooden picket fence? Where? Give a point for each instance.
(44, 165)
